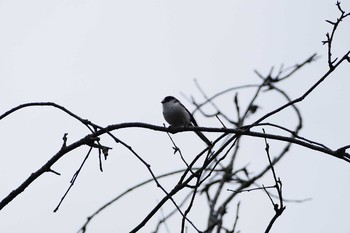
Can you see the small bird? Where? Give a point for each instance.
(177, 115)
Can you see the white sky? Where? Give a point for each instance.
(113, 62)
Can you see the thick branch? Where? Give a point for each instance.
(46, 168)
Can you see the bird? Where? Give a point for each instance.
(177, 115)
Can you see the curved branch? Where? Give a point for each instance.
(93, 136)
(312, 88)
(50, 104)
(83, 228)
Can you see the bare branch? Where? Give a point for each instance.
(74, 178)
(278, 185)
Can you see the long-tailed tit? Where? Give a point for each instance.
(177, 115)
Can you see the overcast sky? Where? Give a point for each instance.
(114, 61)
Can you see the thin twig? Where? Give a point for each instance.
(74, 178)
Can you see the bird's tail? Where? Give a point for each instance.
(204, 138)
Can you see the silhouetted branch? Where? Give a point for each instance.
(211, 170)
(74, 178)
(278, 186)
(84, 227)
(330, 37)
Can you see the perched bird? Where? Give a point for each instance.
(177, 115)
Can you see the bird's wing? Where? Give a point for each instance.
(200, 134)
(192, 118)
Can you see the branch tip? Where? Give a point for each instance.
(54, 172)
(64, 140)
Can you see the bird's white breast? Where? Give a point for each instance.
(175, 114)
